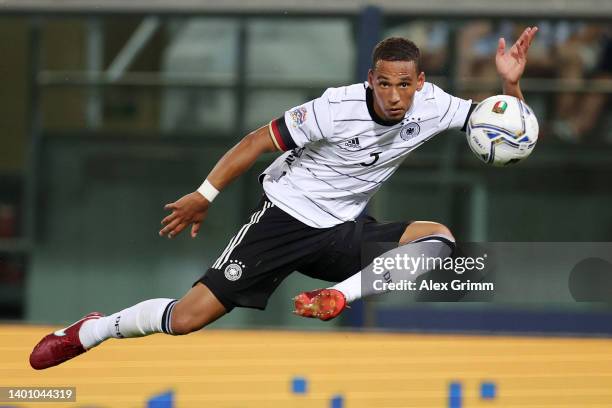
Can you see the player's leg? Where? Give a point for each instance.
(192, 312)
(327, 303)
(195, 310)
(438, 235)
(203, 304)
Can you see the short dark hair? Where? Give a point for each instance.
(397, 49)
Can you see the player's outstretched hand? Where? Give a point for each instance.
(191, 209)
(511, 64)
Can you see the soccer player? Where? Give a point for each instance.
(339, 149)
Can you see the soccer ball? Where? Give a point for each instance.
(502, 130)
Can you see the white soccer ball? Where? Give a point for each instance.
(502, 130)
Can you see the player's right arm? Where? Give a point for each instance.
(192, 208)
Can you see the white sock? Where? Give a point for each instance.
(142, 319)
(352, 288)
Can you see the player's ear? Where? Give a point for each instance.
(420, 81)
(370, 77)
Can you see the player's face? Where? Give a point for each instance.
(394, 84)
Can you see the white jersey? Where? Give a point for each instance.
(339, 152)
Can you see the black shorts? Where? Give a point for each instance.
(273, 244)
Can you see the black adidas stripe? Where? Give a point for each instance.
(167, 318)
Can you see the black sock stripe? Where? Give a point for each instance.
(167, 317)
(170, 318)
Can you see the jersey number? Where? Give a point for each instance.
(376, 156)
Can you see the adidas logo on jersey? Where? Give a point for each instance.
(352, 144)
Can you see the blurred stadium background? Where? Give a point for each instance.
(112, 108)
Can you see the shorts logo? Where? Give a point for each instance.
(410, 131)
(233, 271)
(298, 116)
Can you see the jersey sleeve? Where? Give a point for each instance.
(303, 124)
(453, 112)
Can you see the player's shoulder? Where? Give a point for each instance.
(348, 93)
(431, 90)
(432, 96)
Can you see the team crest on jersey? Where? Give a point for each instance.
(409, 131)
(233, 271)
(298, 116)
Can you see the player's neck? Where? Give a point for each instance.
(372, 110)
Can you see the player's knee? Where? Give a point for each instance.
(196, 309)
(184, 322)
(420, 229)
(442, 230)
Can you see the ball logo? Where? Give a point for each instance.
(477, 142)
(500, 107)
(233, 271)
(410, 131)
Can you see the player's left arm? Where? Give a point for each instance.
(511, 63)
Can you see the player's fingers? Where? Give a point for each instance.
(520, 49)
(522, 38)
(501, 46)
(532, 34)
(525, 40)
(521, 43)
(519, 46)
(179, 228)
(168, 228)
(195, 229)
(529, 34)
(169, 218)
(170, 206)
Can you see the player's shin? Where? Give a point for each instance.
(406, 262)
(142, 319)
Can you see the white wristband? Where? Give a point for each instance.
(208, 191)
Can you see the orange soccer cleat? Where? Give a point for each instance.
(324, 304)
